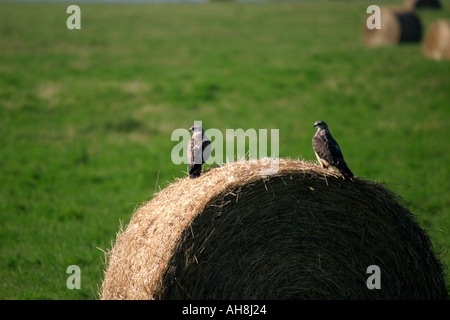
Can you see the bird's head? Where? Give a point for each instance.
(196, 128)
(320, 125)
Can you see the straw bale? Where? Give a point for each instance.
(302, 233)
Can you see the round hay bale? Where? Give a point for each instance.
(437, 42)
(418, 4)
(302, 233)
(397, 26)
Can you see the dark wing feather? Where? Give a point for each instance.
(195, 169)
(328, 149)
(338, 157)
(320, 145)
(206, 150)
(346, 172)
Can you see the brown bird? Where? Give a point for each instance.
(327, 150)
(199, 150)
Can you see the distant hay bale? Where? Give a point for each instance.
(417, 4)
(302, 233)
(437, 41)
(397, 26)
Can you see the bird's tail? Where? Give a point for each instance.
(346, 172)
(195, 171)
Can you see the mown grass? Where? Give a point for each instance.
(86, 115)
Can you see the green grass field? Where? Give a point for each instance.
(86, 115)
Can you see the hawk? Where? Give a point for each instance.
(327, 150)
(199, 150)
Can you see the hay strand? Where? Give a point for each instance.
(302, 233)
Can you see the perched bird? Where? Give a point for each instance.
(199, 150)
(327, 150)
